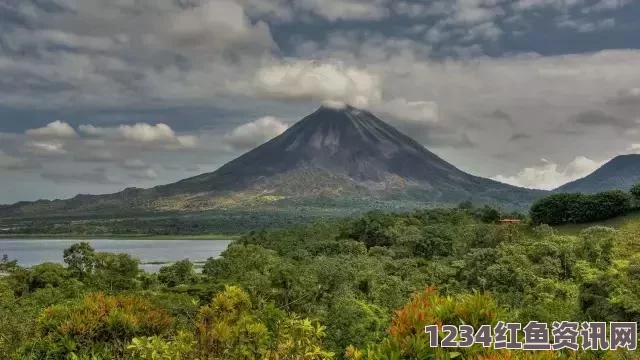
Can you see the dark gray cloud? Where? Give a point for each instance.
(520, 136)
(601, 118)
(502, 115)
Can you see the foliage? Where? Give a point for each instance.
(180, 273)
(353, 288)
(157, 348)
(97, 322)
(579, 208)
(80, 259)
(115, 271)
(406, 337)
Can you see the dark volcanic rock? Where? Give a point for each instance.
(358, 147)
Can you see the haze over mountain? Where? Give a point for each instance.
(622, 172)
(340, 153)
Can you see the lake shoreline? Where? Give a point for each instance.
(209, 237)
(152, 255)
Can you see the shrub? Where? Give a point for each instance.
(407, 339)
(98, 322)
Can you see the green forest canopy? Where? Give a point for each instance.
(359, 288)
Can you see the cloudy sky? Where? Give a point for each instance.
(99, 95)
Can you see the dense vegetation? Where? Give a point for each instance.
(579, 208)
(360, 288)
(284, 213)
(210, 222)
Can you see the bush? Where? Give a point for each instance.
(99, 323)
(406, 339)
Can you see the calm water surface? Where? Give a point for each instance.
(31, 252)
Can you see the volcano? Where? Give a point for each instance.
(335, 153)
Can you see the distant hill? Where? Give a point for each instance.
(333, 157)
(622, 173)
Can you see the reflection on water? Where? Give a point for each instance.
(30, 252)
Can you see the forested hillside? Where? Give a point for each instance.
(361, 288)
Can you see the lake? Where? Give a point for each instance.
(31, 252)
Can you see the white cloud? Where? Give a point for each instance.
(56, 129)
(634, 148)
(550, 175)
(334, 10)
(319, 81)
(418, 112)
(49, 148)
(526, 5)
(604, 5)
(278, 10)
(216, 25)
(143, 133)
(417, 10)
(585, 26)
(476, 11)
(255, 133)
(147, 133)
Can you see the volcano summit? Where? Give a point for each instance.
(345, 153)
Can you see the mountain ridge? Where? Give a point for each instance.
(619, 173)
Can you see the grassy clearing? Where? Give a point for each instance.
(619, 222)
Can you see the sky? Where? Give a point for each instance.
(100, 95)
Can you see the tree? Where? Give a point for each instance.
(371, 229)
(80, 259)
(48, 274)
(176, 274)
(354, 322)
(488, 214)
(635, 192)
(557, 209)
(115, 271)
(465, 205)
(577, 208)
(7, 265)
